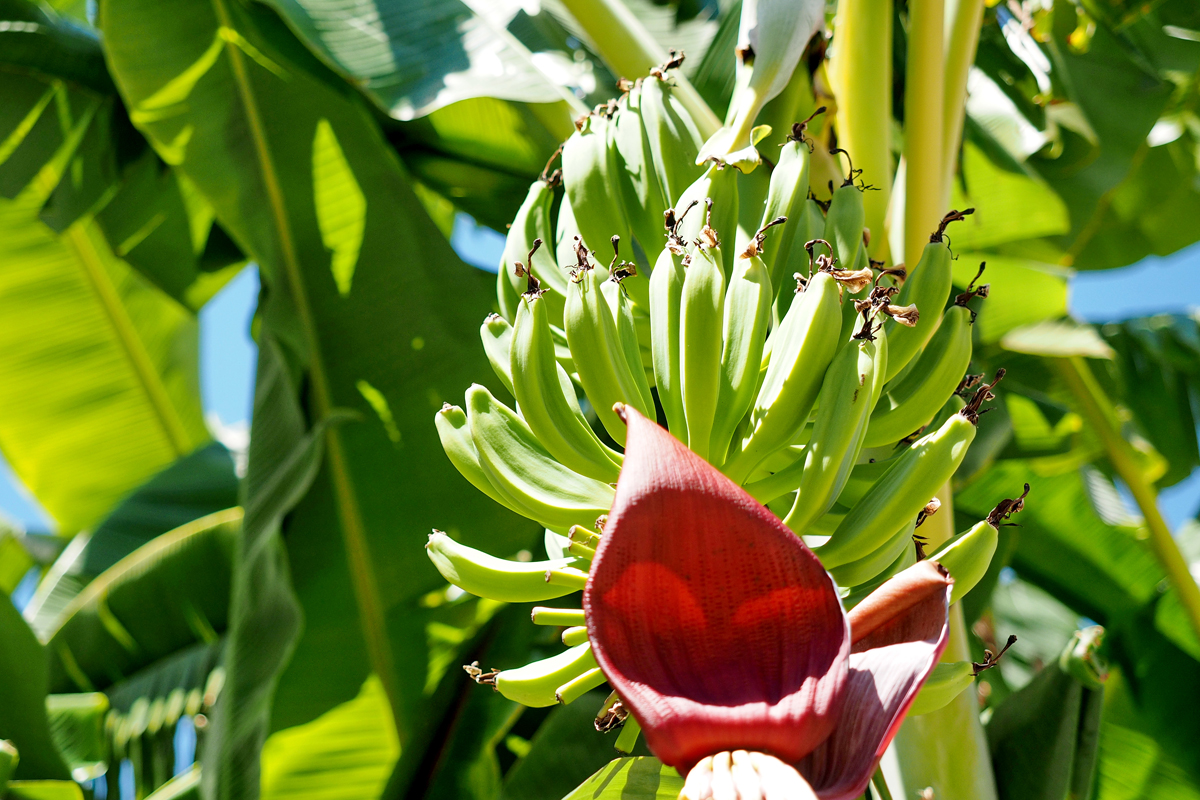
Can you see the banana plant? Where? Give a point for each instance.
(799, 369)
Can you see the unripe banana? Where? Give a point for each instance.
(744, 332)
(928, 288)
(484, 575)
(672, 135)
(844, 223)
(948, 681)
(786, 196)
(922, 392)
(666, 293)
(870, 566)
(600, 359)
(455, 433)
(701, 309)
(522, 471)
(633, 333)
(849, 392)
(558, 617)
(907, 557)
(565, 234)
(496, 334)
(904, 490)
(536, 684)
(576, 635)
(718, 184)
(577, 687)
(642, 195)
(810, 226)
(539, 388)
(589, 164)
(968, 555)
(531, 223)
(805, 343)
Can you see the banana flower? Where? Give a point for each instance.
(725, 638)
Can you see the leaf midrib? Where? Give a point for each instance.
(366, 589)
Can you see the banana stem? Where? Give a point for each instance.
(1098, 410)
(946, 749)
(630, 50)
(861, 70)
(924, 92)
(964, 19)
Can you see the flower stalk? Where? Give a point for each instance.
(924, 112)
(861, 71)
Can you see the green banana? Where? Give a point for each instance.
(522, 471)
(496, 334)
(604, 370)
(536, 684)
(641, 193)
(907, 557)
(863, 569)
(921, 393)
(844, 221)
(531, 224)
(589, 165)
(672, 135)
(744, 332)
(863, 477)
(718, 184)
(576, 688)
(633, 333)
(810, 226)
(666, 296)
(574, 635)
(541, 394)
(701, 307)
(455, 433)
(928, 288)
(805, 343)
(483, 575)
(558, 617)
(787, 196)
(850, 390)
(565, 234)
(968, 554)
(948, 681)
(916, 476)
(567, 576)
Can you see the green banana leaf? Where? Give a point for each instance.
(638, 778)
(1159, 365)
(114, 358)
(201, 483)
(1043, 739)
(1088, 88)
(563, 752)
(77, 728)
(348, 752)
(152, 220)
(43, 790)
(23, 685)
(15, 559)
(185, 786)
(167, 595)
(368, 305)
(411, 62)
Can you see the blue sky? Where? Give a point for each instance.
(227, 353)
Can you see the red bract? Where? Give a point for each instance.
(721, 631)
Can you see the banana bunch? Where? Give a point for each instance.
(837, 395)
